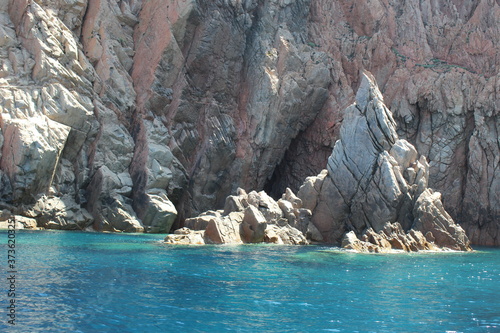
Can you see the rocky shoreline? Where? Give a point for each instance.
(133, 116)
(373, 197)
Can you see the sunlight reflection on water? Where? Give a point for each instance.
(132, 283)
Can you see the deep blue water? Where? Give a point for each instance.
(89, 282)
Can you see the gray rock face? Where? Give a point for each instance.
(373, 178)
(111, 209)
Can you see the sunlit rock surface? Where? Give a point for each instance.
(185, 101)
(376, 182)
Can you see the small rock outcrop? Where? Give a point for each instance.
(250, 218)
(374, 195)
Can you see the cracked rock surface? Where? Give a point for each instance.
(374, 181)
(173, 105)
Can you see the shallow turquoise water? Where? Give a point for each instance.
(88, 282)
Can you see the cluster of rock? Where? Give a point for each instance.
(19, 222)
(251, 218)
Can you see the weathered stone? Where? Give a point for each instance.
(222, 231)
(404, 153)
(291, 236)
(291, 197)
(198, 223)
(117, 215)
(236, 216)
(284, 235)
(233, 204)
(160, 213)
(309, 191)
(27, 223)
(253, 226)
(351, 242)
(430, 216)
(185, 237)
(364, 188)
(313, 233)
(255, 108)
(60, 213)
(267, 206)
(271, 235)
(30, 154)
(111, 211)
(288, 211)
(303, 219)
(7, 223)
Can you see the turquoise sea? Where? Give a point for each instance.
(91, 282)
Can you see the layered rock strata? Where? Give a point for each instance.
(184, 101)
(124, 108)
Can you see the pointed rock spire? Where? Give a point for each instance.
(375, 179)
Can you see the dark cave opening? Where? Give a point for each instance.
(303, 158)
(274, 186)
(283, 173)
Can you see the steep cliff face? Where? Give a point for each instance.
(375, 187)
(115, 112)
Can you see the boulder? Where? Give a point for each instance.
(351, 242)
(60, 213)
(266, 205)
(116, 214)
(432, 219)
(26, 222)
(222, 231)
(284, 235)
(233, 204)
(160, 212)
(291, 236)
(253, 226)
(185, 236)
(292, 198)
(199, 222)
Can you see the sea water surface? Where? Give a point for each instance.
(97, 282)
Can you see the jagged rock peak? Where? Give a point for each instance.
(374, 179)
(368, 90)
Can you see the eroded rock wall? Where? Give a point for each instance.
(376, 182)
(143, 105)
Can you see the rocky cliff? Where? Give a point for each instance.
(373, 196)
(128, 115)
